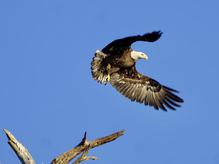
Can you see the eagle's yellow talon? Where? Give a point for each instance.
(108, 78)
(108, 72)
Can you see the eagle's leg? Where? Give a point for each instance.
(108, 72)
(139, 75)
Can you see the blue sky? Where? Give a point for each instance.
(48, 98)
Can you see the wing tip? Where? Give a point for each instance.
(152, 36)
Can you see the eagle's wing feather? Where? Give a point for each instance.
(120, 45)
(145, 90)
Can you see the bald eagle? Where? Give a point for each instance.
(115, 64)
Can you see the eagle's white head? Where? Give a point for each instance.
(138, 55)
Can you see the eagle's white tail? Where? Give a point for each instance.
(98, 72)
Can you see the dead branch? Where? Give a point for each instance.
(84, 156)
(21, 152)
(83, 147)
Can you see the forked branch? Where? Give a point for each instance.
(82, 148)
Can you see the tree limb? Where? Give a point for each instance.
(21, 152)
(83, 147)
(84, 156)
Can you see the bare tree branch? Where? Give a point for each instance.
(83, 147)
(21, 152)
(84, 156)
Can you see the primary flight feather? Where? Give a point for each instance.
(115, 64)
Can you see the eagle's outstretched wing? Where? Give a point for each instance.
(120, 45)
(145, 90)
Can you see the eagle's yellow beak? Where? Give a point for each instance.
(138, 55)
(144, 56)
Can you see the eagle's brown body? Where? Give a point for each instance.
(124, 61)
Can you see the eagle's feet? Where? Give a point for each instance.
(108, 72)
(139, 75)
(108, 78)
